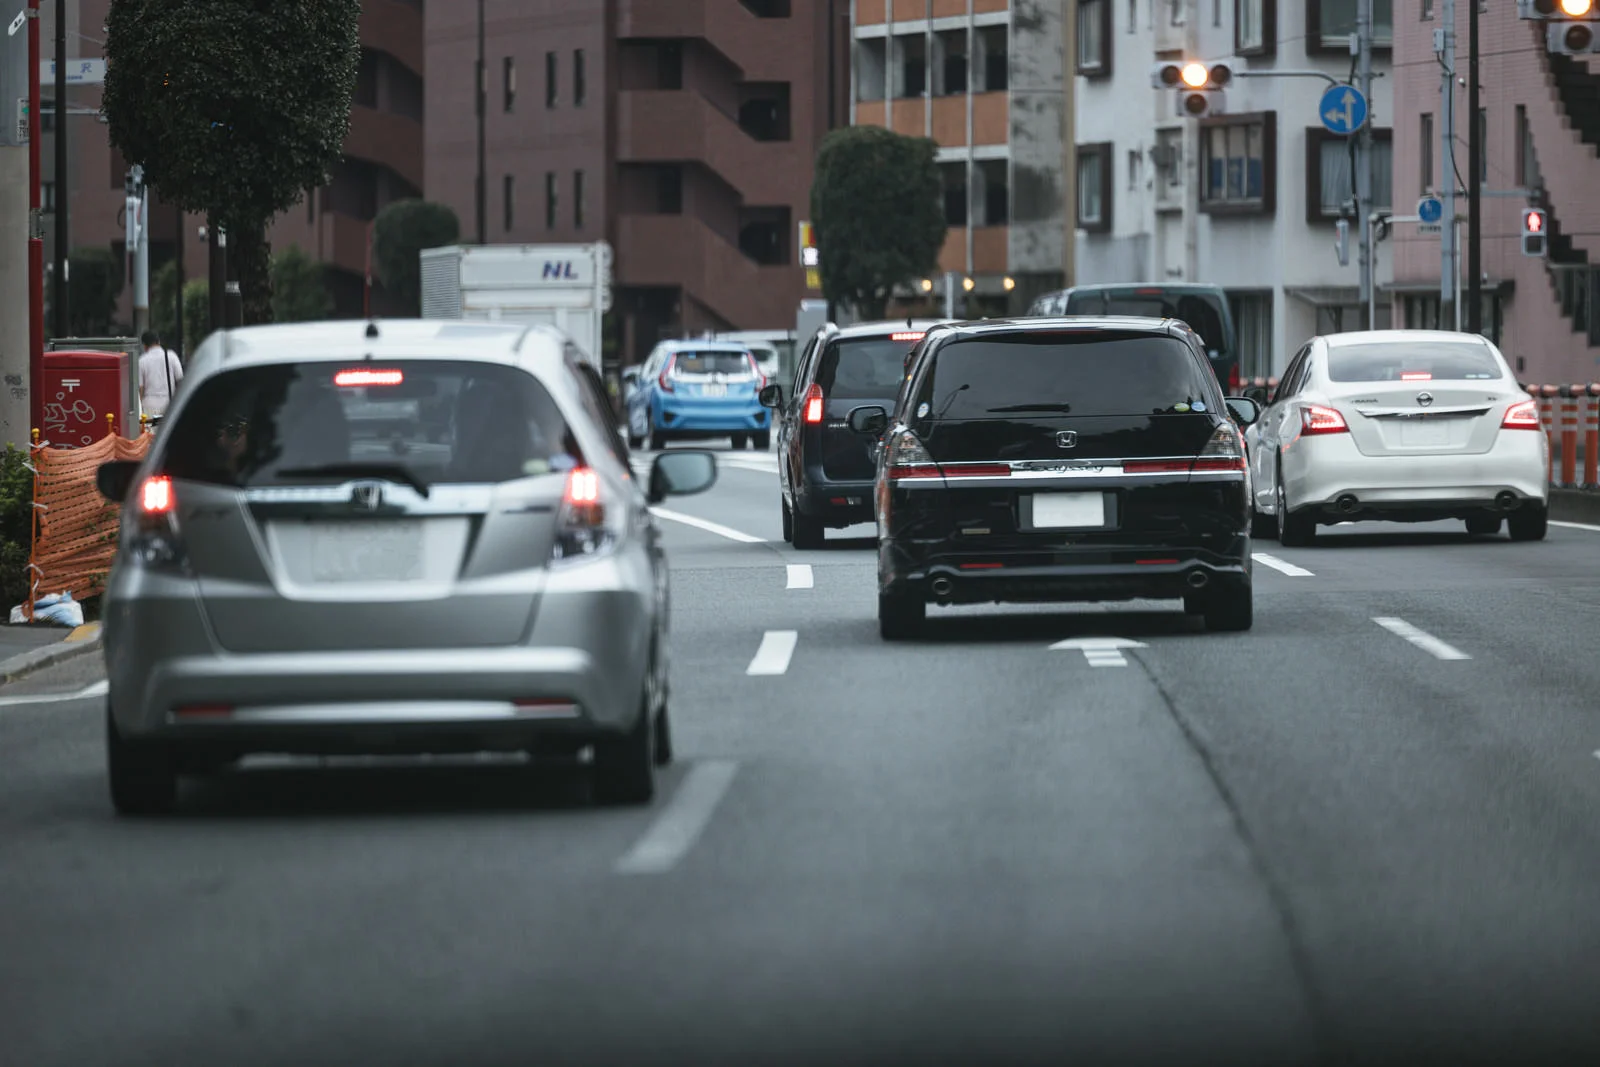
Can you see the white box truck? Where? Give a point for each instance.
(566, 286)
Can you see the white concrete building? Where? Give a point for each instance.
(1247, 200)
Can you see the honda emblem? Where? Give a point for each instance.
(1066, 439)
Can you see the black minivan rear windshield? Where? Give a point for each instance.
(1076, 374)
(409, 421)
(870, 368)
(1201, 311)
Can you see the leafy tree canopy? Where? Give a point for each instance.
(402, 230)
(299, 288)
(95, 278)
(879, 219)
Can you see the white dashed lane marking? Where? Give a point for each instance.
(682, 822)
(1282, 566)
(1422, 639)
(799, 576)
(708, 526)
(777, 646)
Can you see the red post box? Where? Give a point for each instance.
(80, 390)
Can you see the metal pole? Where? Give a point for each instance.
(1450, 233)
(1474, 180)
(1372, 287)
(141, 261)
(36, 229)
(949, 294)
(176, 344)
(1363, 175)
(218, 280)
(62, 232)
(480, 89)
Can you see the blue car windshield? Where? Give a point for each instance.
(713, 363)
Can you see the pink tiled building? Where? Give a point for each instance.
(1541, 117)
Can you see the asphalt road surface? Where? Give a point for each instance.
(1366, 832)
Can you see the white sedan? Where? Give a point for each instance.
(1401, 426)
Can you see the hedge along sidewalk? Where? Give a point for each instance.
(81, 641)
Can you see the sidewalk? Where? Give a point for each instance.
(24, 649)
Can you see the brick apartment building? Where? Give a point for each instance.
(681, 132)
(1541, 132)
(383, 157)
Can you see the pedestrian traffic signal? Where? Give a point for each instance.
(1199, 87)
(1571, 39)
(1535, 224)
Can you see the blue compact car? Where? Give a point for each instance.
(691, 390)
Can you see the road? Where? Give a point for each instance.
(1365, 832)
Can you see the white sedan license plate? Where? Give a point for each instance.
(1065, 511)
(376, 551)
(1424, 432)
(714, 389)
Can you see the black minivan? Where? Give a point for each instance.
(1048, 460)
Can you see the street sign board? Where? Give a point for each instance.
(1343, 110)
(79, 71)
(1430, 210)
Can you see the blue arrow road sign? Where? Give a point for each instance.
(1343, 110)
(1430, 209)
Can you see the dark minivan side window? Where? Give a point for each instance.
(1077, 373)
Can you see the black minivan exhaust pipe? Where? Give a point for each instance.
(1198, 579)
(942, 588)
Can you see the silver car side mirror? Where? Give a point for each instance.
(681, 473)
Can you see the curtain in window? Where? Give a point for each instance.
(1089, 188)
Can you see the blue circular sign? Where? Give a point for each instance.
(1343, 110)
(1430, 209)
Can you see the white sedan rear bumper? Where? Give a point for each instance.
(1324, 472)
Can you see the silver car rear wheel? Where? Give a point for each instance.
(625, 766)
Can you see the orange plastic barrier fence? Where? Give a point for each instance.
(75, 528)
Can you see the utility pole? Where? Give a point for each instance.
(481, 91)
(137, 226)
(15, 228)
(1444, 45)
(62, 232)
(217, 282)
(176, 343)
(36, 227)
(1474, 180)
(1363, 170)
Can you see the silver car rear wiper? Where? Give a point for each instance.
(394, 472)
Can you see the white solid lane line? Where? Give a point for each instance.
(1282, 566)
(709, 527)
(1575, 526)
(1422, 639)
(677, 828)
(800, 576)
(773, 655)
(98, 689)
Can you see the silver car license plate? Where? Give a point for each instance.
(379, 551)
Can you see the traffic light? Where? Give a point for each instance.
(1535, 224)
(1571, 39)
(1558, 10)
(1199, 87)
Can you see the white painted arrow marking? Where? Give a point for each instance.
(1100, 651)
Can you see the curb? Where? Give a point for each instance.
(1575, 505)
(79, 642)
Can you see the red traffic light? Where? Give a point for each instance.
(1533, 221)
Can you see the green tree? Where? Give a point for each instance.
(95, 277)
(234, 107)
(16, 526)
(163, 303)
(401, 231)
(196, 313)
(299, 288)
(875, 206)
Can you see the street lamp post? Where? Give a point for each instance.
(62, 301)
(1474, 180)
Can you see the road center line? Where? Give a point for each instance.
(1575, 526)
(1282, 566)
(1422, 639)
(800, 576)
(709, 527)
(98, 689)
(678, 827)
(773, 655)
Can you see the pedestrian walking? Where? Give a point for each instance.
(160, 371)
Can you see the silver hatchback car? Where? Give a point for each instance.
(406, 537)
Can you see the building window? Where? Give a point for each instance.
(1238, 164)
(1427, 10)
(1329, 192)
(1426, 152)
(994, 191)
(950, 66)
(1133, 16)
(578, 205)
(509, 197)
(552, 200)
(956, 200)
(509, 89)
(872, 69)
(1166, 159)
(1094, 38)
(911, 53)
(994, 46)
(552, 76)
(580, 79)
(1095, 163)
(1255, 27)
(1331, 22)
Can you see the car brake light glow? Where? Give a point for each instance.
(665, 378)
(915, 470)
(977, 470)
(349, 379)
(912, 335)
(1212, 465)
(583, 487)
(1523, 416)
(1315, 420)
(1156, 466)
(1233, 380)
(1416, 376)
(155, 497)
(814, 404)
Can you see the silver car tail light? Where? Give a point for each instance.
(153, 537)
(588, 526)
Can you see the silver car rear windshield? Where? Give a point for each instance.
(1067, 373)
(324, 423)
(1412, 361)
(714, 363)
